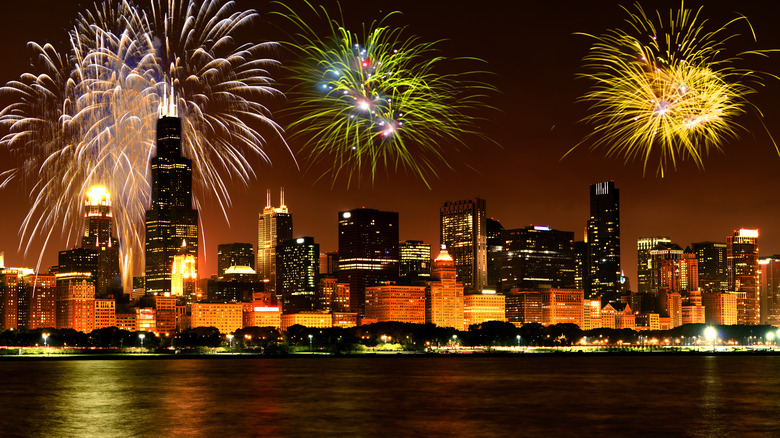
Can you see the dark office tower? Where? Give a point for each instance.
(604, 242)
(644, 264)
(713, 270)
(171, 219)
(329, 263)
(234, 254)
(297, 274)
(495, 252)
(274, 225)
(98, 235)
(368, 252)
(742, 265)
(415, 261)
(464, 233)
(537, 258)
(81, 260)
(580, 263)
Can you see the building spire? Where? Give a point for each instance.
(168, 106)
(268, 201)
(281, 199)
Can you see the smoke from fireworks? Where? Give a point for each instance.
(380, 100)
(86, 115)
(663, 87)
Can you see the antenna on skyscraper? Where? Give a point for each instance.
(268, 202)
(281, 200)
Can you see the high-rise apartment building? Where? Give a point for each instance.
(743, 271)
(644, 264)
(463, 231)
(234, 254)
(713, 270)
(171, 220)
(368, 252)
(689, 271)
(415, 261)
(665, 267)
(604, 242)
(75, 301)
(444, 294)
(274, 226)
(297, 274)
(537, 257)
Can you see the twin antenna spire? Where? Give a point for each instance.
(281, 201)
(168, 105)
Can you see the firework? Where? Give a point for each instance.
(87, 114)
(376, 101)
(663, 88)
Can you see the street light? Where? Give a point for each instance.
(45, 337)
(518, 341)
(310, 343)
(230, 339)
(142, 336)
(454, 340)
(710, 334)
(770, 337)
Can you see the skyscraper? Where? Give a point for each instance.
(537, 257)
(713, 271)
(368, 252)
(415, 261)
(644, 264)
(234, 254)
(604, 241)
(463, 231)
(98, 235)
(770, 290)
(742, 265)
(297, 274)
(495, 252)
(274, 225)
(665, 267)
(171, 219)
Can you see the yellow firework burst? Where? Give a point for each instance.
(664, 88)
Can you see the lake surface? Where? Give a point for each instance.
(535, 395)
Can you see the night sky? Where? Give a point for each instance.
(535, 56)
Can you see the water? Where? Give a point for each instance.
(394, 396)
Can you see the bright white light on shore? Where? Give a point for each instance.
(710, 333)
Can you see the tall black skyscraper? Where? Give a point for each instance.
(171, 219)
(538, 258)
(713, 268)
(234, 254)
(495, 252)
(463, 231)
(368, 252)
(604, 242)
(297, 274)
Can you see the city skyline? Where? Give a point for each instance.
(524, 181)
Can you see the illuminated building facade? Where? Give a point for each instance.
(393, 302)
(618, 316)
(40, 310)
(689, 271)
(98, 235)
(226, 317)
(368, 252)
(743, 272)
(591, 315)
(307, 319)
(770, 290)
(234, 254)
(415, 261)
(171, 220)
(644, 261)
(665, 271)
(267, 316)
(537, 257)
(580, 263)
(145, 319)
(463, 231)
(444, 294)
(274, 225)
(297, 274)
(720, 308)
(165, 311)
(482, 307)
(713, 266)
(9, 298)
(604, 242)
(563, 306)
(184, 274)
(495, 252)
(329, 263)
(238, 283)
(75, 301)
(105, 313)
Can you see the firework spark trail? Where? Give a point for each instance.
(87, 115)
(377, 101)
(663, 87)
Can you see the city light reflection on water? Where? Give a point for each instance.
(413, 396)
